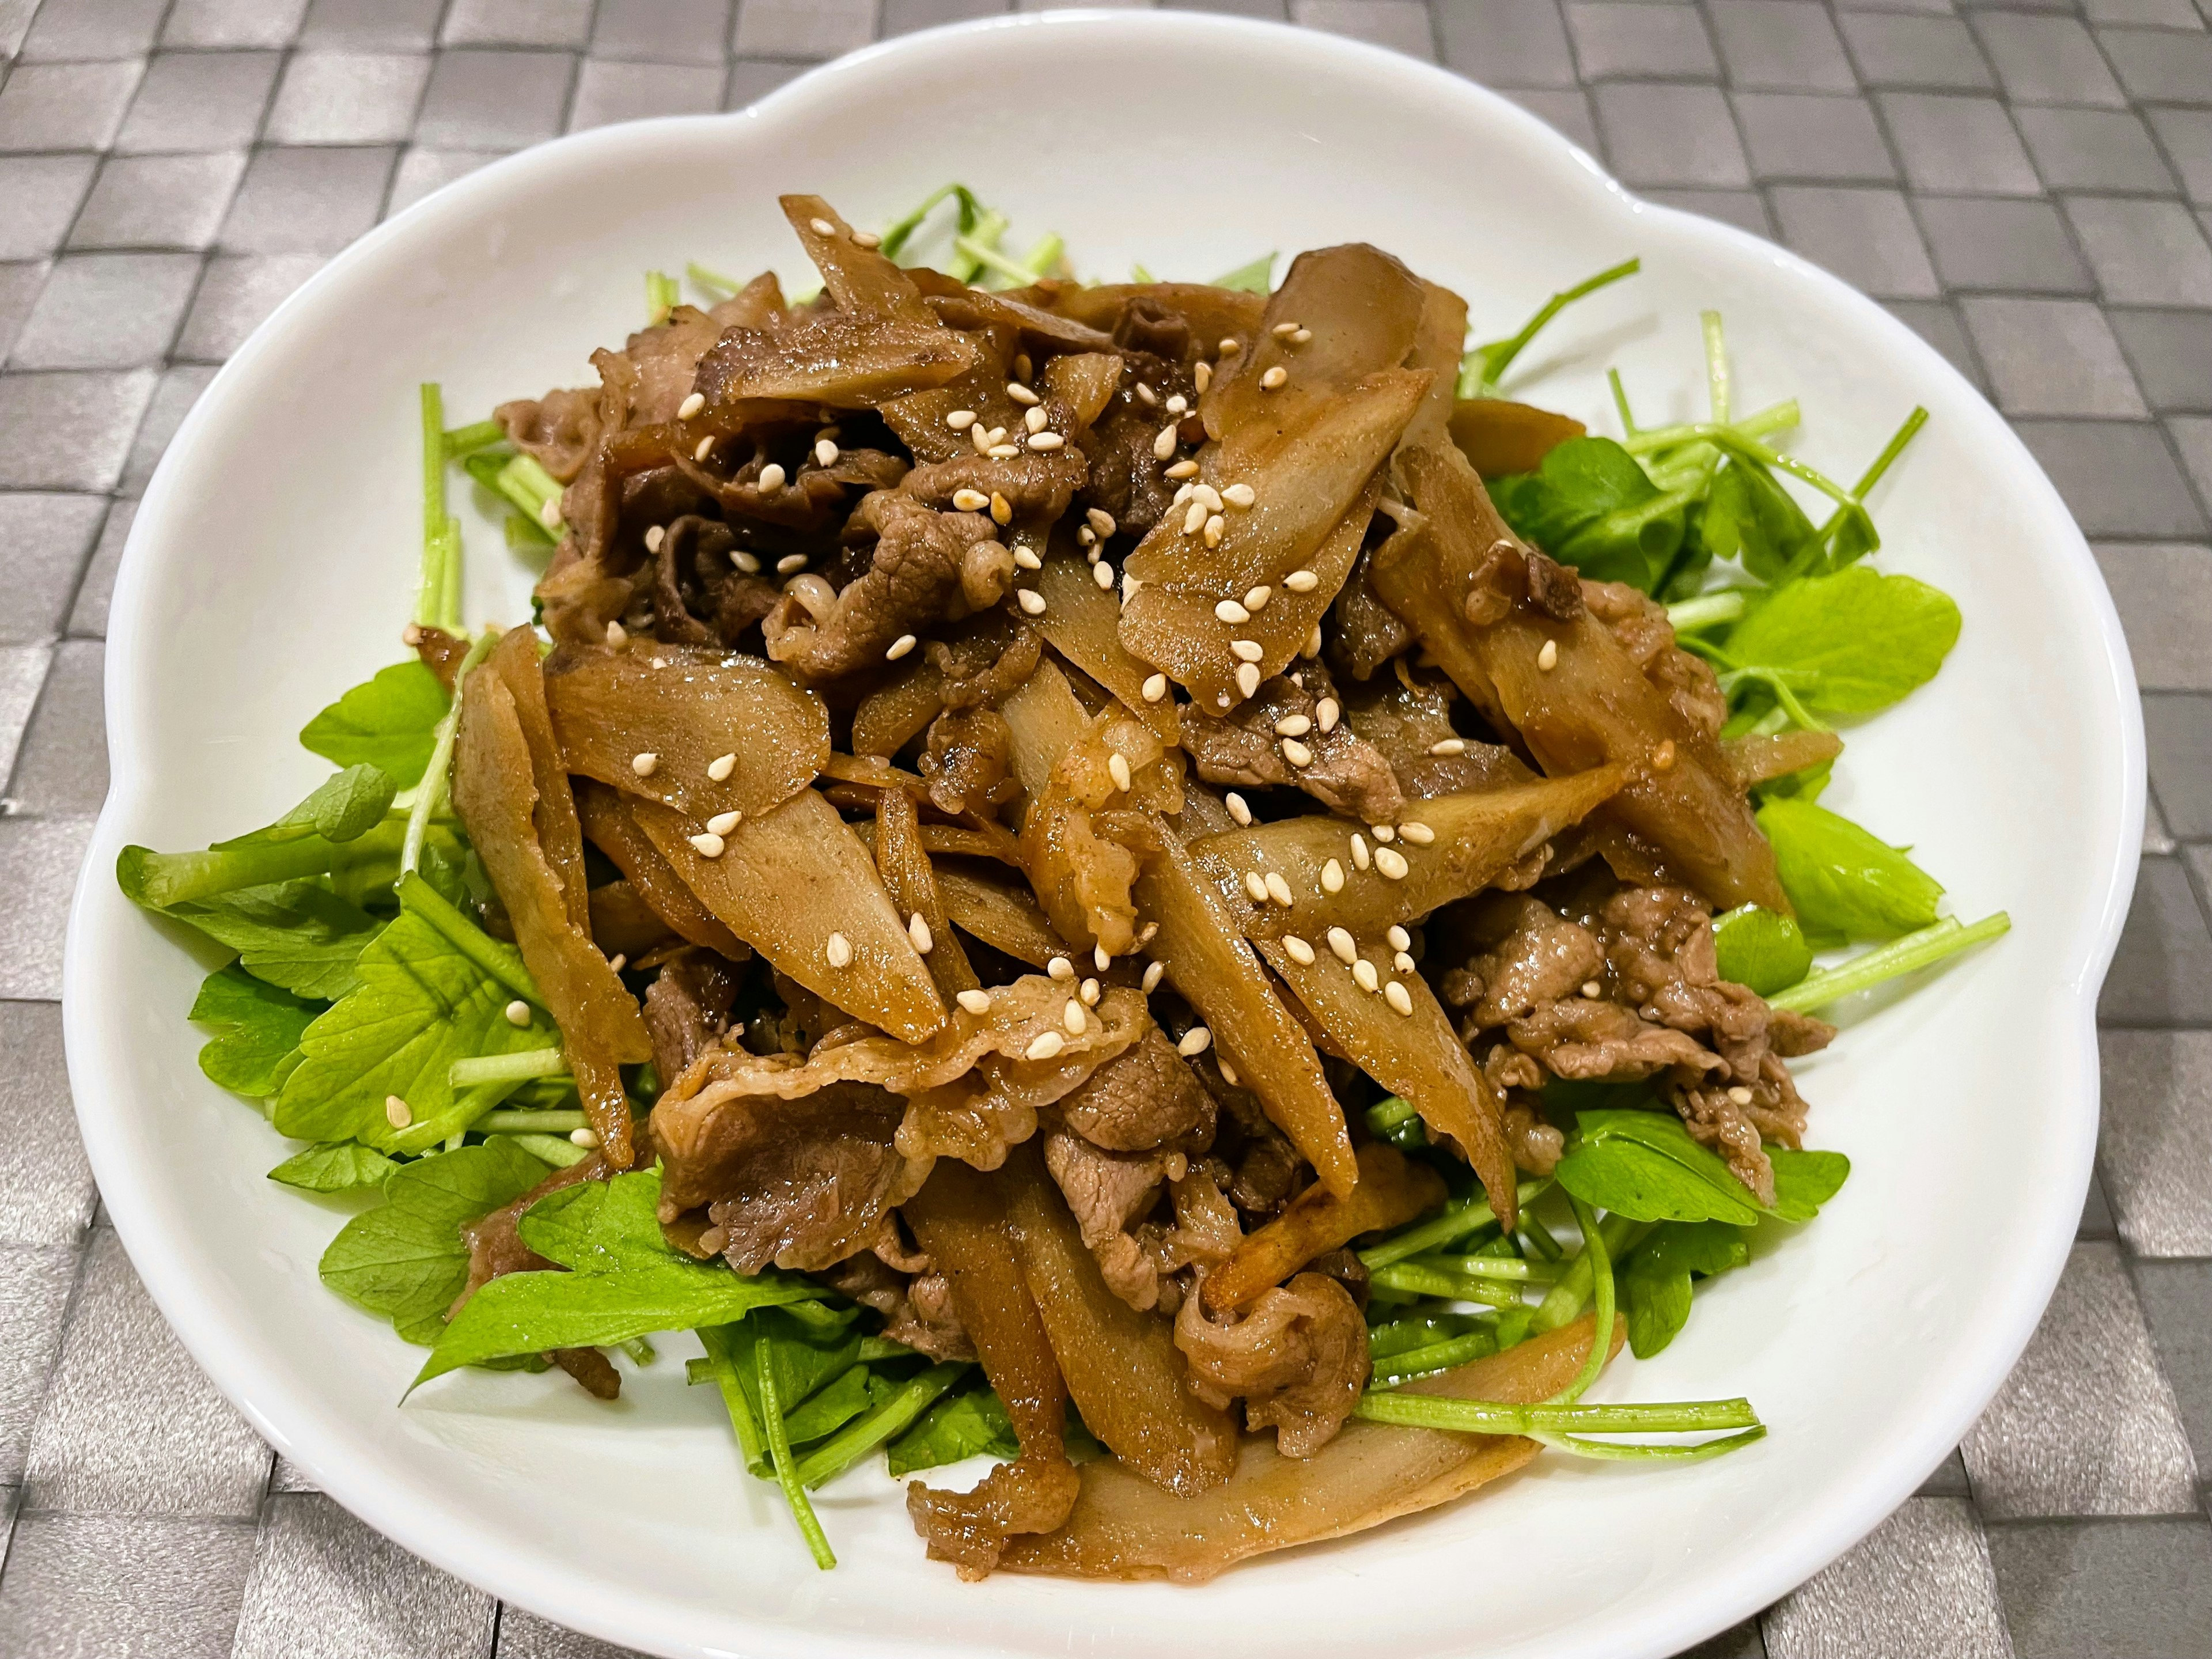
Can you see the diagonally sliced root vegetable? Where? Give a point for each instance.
(1392, 1191)
(1207, 960)
(1004, 916)
(1122, 1368)
(607, 820)
(1082, 620)
(514, 659)
(609, 708)
(790, 881)
(1123, 1527)
(904, 864)
(1498, 436)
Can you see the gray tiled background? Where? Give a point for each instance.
(2028, 184)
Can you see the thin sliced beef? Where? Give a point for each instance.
(1145, 1097)
(558, 429)
(916, 1308)
(687, 1007)
(1341, 770)
(1037, 486)
(496, 1248)
(1297, 1358)
(1640, 624)
(1108, 1193)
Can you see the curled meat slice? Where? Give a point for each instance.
(1145, 1098)
(559, 428)
(1297, 1358)
(1037, 486)
(1586, 1038)
(1407, 717)
(914, 573)
(1337, 767)
(1108, 1193)
(1542, 957)
(917, 1310)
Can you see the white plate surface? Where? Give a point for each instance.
(272, 564)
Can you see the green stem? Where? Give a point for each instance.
(1621, 402)
(1600, 1258)
(1404, 1367)
(527, 1121)
(551, 1149)
(1387, 1115)
(1717, 367)
(430, 793)
(640, 1350)
(895, 238)
(1775, 417)
(1489, 363)
(878, 1423)
(988, 258)
(1421, 1280)
(1915, 951)
(1576, 1447)
(1890, 451)
(661, 296)
(1565, 1298)
(1455, 1222)
(712, 280)
(517, 1067)
(1510, 1268)
(1433, 1410)
(502, 962)
(477, 434)
(779, 1452)
(721, 1360)
(1255, 276)
(437, 599)
(1706, 609)
(1042, 257)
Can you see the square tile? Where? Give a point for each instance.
(610, 92)
(2158, 841)
(1796, 135)
(751, 80)
(2154, 1144)
(2051, 357)
(2096, 1220)
(232, 22)
(422, 171)
(107, 311)
(372, 25)
(905, 17)
(289, 1476)
(44, 542)
(1894, 51)
(235, 294)
(61, 769)
(2120, 480)
(2187, 135)
(517, 23)
(1566, 112)
(2193, 438)
(19, 291)
(526, 1635)
(91, 1586)
(66, 29)
(2093, 1589)
(34, 1293)
(158, 201)
(1740, 207)
(42, 193)
(2046, 60)
(348, 98)
(2158, 14)
(1947, 1480)
(69, 431)
(2017, 245)
(172, 400)
(2172, 351)
(2178, 730)
(1506, 43)
(1938, 324)
(131, 1426)
(662, 31)
(1400, 25)
(323, 1584)
(88, 614)
(65, 106)
(38, 862)
(15, 24)
(199, 100)
(2164, 592)
(2086, 1423)
(2144, 252)
(46, 1185)
(1963, 145)
(1919, 1583)
(1865, 236)
(1640, 42)
(2162, 973)
(2177, 1298)
(1671, 135)
(1787, 44)
(2095, 149)
(2159, 65)
(494, 100)
(803, 29)
(306, 201)
(22, 676)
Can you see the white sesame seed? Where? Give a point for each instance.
(1003, 451)
(1311, 648)
(970, 500)
(1359, 858)
(866, 238)
(1364, 971)
(1229, 346)
(1740, 1095)
(1176, 405)
(1325, 713)
(1117, 767)
(746, 562)
(643, 763)
(1256, 600)
(1239, 495)
(980, 435)
(1248, 679)
(1202, 376)
(1156, 686)
(1086, 537)
(1297, 753)
(1183, 469)
(790, 563)
(1183, 494)
(1342, 942)
(1255, 885)
(723, 823)
(1593, 989)
(1449, 746)
(708, 846)
(617, 961)
(1031, 601)
(1194, 518)
(1302, 581)
(1398, 997)
(1061, 968)
(1047, 440)
(1549, 658)
(975, 1002)
(1035, 420)
(397, 1112)
(1392, 863)
(1129, 586)
(1278, 889)
(1022, 366)
(1102, 957)
(1283, 331)
(1293, 726)
(722, 766)
(617, 636)
(587, 1139)
(1072, 1017)
(1047, 1046)
(1300, 952)
(518, 1012)
(771, 478)
(1382, 832)
(1246, 651)
(1154, 973)
(1165, 445)
(1231, 612)
(838, 949)
(706, 447)
(1332, 877)
(898, 647)
(961, 419)
(1216, 526)
(549, 514)
(1025, 556)
(1238, 808)
(1100, 521)
(1020, 393)
(822, 227)
(1002, 510)
(1399, 937)
(1418, 833)
(1301, 337)
(1146, 396)
(1273, 378)
(1103, 574)
(690, 406)
(1196, 1042)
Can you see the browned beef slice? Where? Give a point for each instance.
(1297, 1358)
(1146, 1096)
(917, 1311)
(1346, 774)
(686, 1007)
(913, 576)
(496, 1248)
(1036, 486)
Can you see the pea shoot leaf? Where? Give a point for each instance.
(1591, 506)
(1655, 1280)
(389, 722)
(343, 808)
(1644, 1165)
(343, 1167)
(256, 1030)
(966, 1423)
(1850, 643)
(1841, 879)
(1760, 948)
(297, 935)
(1751, 518)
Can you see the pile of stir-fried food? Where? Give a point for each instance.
(1065, 881)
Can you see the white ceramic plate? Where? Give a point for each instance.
(273, 563)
